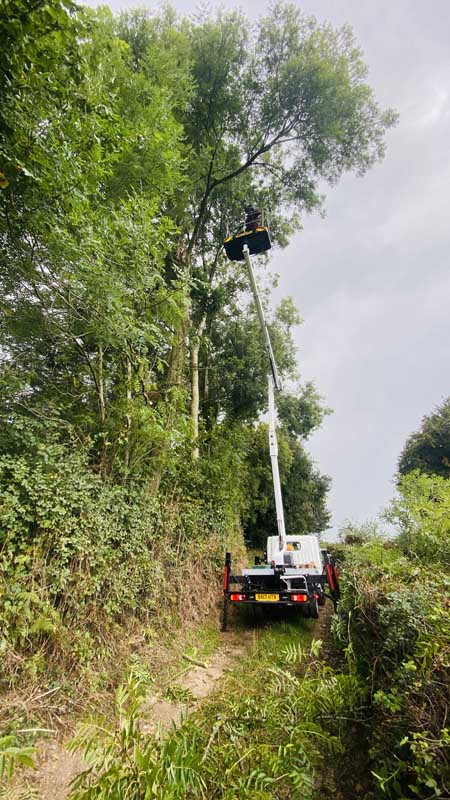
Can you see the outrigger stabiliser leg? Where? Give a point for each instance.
(226, 587)
(332, 578)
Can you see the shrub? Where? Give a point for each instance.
(393, 624)
(422, 513)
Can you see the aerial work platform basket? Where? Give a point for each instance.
(255, 235)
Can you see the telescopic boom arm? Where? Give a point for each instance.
(274, 382)
(259, 308)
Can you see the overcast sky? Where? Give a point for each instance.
(372, 280)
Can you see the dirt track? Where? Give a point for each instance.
(56, 767)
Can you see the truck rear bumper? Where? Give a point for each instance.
(270, 598)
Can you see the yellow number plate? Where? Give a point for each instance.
(268, 598)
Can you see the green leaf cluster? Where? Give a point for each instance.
(428, 450)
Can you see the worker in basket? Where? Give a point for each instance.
(255, 235)
(253, 218)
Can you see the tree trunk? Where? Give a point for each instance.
(101, 387)
(178, 352)
(128, 415)
(102, 410)
(206, 384)
(195, 392)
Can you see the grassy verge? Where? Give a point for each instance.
(265, 734)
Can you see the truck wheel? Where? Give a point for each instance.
(313, 608)
(224, 624)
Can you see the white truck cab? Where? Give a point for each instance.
(300, 552)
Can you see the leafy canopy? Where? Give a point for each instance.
(428, 450)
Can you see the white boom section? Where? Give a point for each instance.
(273, 447)
(274, 382)
(262, 320)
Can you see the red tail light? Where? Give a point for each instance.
(299, 598)
(237, 597)
(317, 596)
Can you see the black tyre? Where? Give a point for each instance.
(313, 608)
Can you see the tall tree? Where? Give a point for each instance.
(276, 109)
(92, 160)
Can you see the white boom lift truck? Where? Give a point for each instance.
(296, 571)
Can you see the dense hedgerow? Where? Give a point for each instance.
(395, 627)
(79, 552)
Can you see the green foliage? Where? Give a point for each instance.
(303, 413)
(238, 366)
(271, 110)
(283, 103)
(88, 309)
(127, 146)
(393, 625)
(268, 742)
(77, 550)
(428, 450)
(125, 762)
(422, 513)
(13, 754)
(305, 494)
